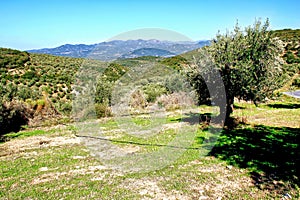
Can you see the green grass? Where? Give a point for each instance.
(142, 121)
(257, 160)
(63, 179)
(35, 132)
(25, 133)
(280, 113)
(22, 134)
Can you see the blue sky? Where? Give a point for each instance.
(37, 24)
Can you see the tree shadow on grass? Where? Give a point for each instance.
(195, 118)
(238, 107)
(285, 105)
(271, 153)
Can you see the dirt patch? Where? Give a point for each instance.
(35, 142)
(177, 125)
(222, 184)
(51, 176)
(223, 180)
(149, 189)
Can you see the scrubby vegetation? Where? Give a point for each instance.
(33, 82)
(291, 55)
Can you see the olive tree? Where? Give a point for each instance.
(249, 63)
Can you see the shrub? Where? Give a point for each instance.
(138, 100)
(31, 83)
(41, 102)
(152, 91)
(24, 93)
(296, 82)
(65, 108)
(102, 110)
(106, 82)
(29, 75)
(175, 62)
(175, 101)
(290, 58)
(103, 91)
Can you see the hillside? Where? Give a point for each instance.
(34, 73)
(287, 35)
(34, 88)
(41, 84)
(291, 40)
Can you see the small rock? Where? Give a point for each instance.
(44, 142)
(203, 197)
(78, 157)
(43, 169)
(229, 167)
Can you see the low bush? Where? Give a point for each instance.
(296, 82)
(152, 91)
(175, 101)
(138, 100)
(102, 110)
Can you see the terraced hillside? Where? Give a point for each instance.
(28, 75)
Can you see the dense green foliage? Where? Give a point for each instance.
(176, 62)
(152, 91)
(104, 88)
(249, 63)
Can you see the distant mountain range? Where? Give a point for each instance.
(119, 49)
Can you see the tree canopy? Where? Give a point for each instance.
(249, 62)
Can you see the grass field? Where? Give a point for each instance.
(258, 159)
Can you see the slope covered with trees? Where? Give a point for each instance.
(31, 84)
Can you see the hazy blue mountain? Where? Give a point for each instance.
(115, 49)
(148, 52)
(204, 43)
(77, 51)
